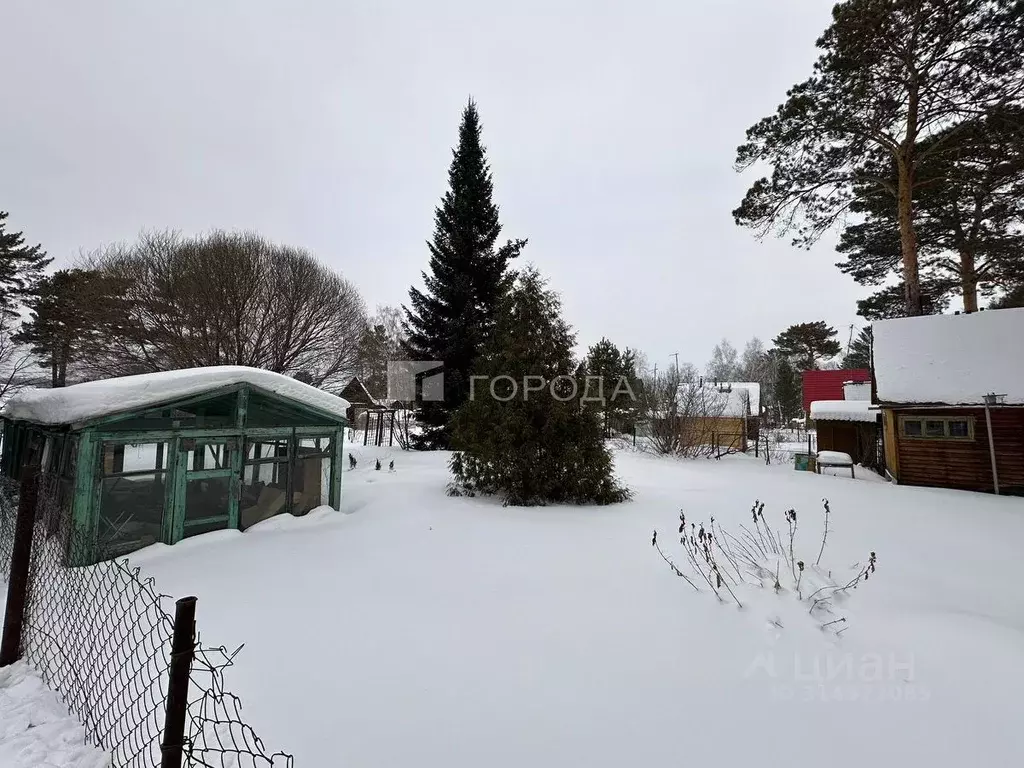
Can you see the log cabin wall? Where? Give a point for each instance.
(960, 463)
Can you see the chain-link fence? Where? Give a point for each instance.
(100, 635)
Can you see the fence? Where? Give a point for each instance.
(100, 636)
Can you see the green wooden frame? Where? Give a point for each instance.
(93, 435)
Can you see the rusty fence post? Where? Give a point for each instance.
(182, 653)
(21, 559)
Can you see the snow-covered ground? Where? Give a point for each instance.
(416, 629)
(35, 728)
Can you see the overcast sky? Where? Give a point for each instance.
(611, 129)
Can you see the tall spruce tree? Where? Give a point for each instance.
(453, 317)
(21, 268)
(891, 74)
(536, 447)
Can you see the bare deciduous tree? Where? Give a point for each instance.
(229, 299)
(683, 414)
(15, 361)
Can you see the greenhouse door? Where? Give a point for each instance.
(207, 486)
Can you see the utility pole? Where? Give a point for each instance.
(676, 356)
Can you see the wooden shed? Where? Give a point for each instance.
(941, 381)
(163, 456)
(848, 426)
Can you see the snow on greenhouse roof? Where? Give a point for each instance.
(96, 399)
(843, 410)
(953, 359)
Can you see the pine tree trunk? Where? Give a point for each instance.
(905, 163)
(969, 281)
(908, 238)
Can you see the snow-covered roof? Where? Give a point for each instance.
(737, 400)
(723, 398)
(843, 410)
(96, 399)
(953, 359)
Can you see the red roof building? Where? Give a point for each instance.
(828, 385)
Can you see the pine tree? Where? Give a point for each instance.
(21, 267)
(887, 303)
(859, 354)
(891, 74)
(453, 318)
(806, 344)
(968, 220)
(536, 447)
(71, 312)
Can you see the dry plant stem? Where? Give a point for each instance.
(727, 553)
(726, 583)
(696, 567)
(674, 567)
(792, 559)
(824, 535)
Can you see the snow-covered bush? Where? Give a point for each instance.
(729, 564)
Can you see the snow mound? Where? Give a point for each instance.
(96, 399)
(36, 730)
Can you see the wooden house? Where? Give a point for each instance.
(951, 391)
(716, 414)
(163, 456)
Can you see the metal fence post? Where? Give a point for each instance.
(21, 558)
(182, 654)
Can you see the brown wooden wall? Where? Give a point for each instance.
(961, 464)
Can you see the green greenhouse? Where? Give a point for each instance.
(160, 457)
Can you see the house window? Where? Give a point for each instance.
(937, 427)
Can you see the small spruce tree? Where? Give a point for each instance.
(71, 313)
(859, 354)
(787, 389)
(619, 384)
(538, 446)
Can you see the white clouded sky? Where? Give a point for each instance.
(611, 129)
